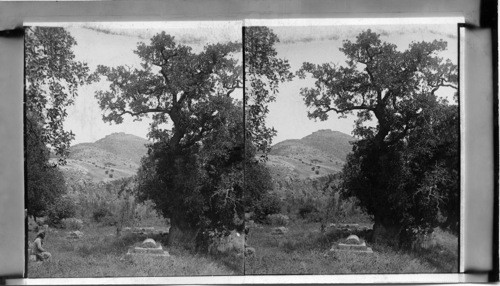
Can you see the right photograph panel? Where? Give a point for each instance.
(352, 149)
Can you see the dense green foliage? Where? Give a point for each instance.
(44, 182)
(268, 204)
(258, 184)
(61, 208)
(404, 170)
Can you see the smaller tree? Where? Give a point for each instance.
(264, 71)
(258, 183)
(61, 208)
(126, 204)
(45, 182)
(52, 78)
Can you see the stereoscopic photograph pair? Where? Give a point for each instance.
(218, 148)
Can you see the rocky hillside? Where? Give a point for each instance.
(318, 154)
(113, 157)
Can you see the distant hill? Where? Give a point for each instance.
(118, 156)
(325, 143)
(318, 154)
(115, 156)
(125, 146)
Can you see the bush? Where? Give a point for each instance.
(268, 205)
(312, 168)
(317, 172)
(291, 245)
(109, 220)
(106, 172)
(229, 243)
(278, 219)
(308, 211)
(101, 213)
(111, 175)
(63, 208)
(72, 223)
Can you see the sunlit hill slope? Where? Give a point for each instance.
(113, 157)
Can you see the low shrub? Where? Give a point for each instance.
(226, 243)
(292, 244)
(278, 219)
(109, 220)
(72, 223)
(62, 208)
(101, 213)
(268, 205)
(306, 210)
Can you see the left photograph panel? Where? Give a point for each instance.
(134, 149)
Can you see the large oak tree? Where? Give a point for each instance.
(193, 169)
(396, 90)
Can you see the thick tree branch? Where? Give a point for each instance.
(343, 110)
(145, 111)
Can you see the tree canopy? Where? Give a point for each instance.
(404, 168)
(174, 85)
(379, 81)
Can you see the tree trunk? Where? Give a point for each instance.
(181, 233)
(386, 232)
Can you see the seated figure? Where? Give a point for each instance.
(40, 253)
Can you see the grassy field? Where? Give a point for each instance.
(101, 254)
(304, 250)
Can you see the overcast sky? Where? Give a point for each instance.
(113, 45)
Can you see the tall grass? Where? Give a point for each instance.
(101, 254)
(305, 250)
